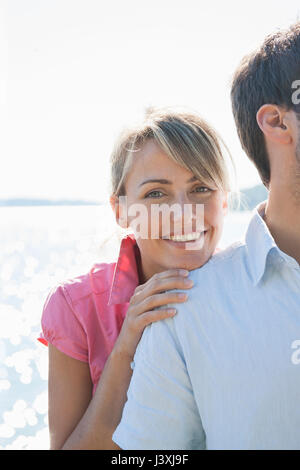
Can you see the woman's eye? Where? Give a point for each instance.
(202, 189)
(157, 194)
(153, 192)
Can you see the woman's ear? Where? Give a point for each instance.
(225, 202)
(119, 210)
(274, 123)
(112, 201)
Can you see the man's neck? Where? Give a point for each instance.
(282, 216)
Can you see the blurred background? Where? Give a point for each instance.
(73, 74)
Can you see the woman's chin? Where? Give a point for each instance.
(189, 262)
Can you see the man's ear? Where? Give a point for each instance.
(119, 211)
(274, 123)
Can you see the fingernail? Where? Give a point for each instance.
(184, 272)
(172, 311)
(182, 295)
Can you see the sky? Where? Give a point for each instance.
(74, 73)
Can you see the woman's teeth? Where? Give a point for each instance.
(184, 238)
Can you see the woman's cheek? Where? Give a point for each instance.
(214, 212)
(139, 221)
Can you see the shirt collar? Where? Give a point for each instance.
(259, 243)
(261, 246)
(126, 273)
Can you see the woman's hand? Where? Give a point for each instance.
(141, 311)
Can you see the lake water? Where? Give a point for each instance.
(39, 247)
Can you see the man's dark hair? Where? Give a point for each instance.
(265, 77)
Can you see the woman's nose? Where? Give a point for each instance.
(185, 216)
(181, 200)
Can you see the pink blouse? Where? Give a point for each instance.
(83, 316)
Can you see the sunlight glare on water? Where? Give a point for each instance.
(40, 247)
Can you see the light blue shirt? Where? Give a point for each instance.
(224, 373)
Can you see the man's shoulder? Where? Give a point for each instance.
(226, 261)
(218, 278)
(218, 287)
(222, 275)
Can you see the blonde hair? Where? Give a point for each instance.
(184, 136)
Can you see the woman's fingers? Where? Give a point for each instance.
(171, 272)
(144, 302)
(163, 275)
(156, 284)
(157, 300)
(155, 315)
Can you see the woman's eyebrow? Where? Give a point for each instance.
(164, 181)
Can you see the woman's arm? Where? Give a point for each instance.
(69, 394)
(78, 421)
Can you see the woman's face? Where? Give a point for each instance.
(199, 210)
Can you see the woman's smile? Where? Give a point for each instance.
(188, 241)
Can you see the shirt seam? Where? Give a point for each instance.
(71, 305)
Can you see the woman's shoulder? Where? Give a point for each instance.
(69, 310)
(73, 293)
(94, 281)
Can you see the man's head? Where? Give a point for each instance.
(265, 100)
